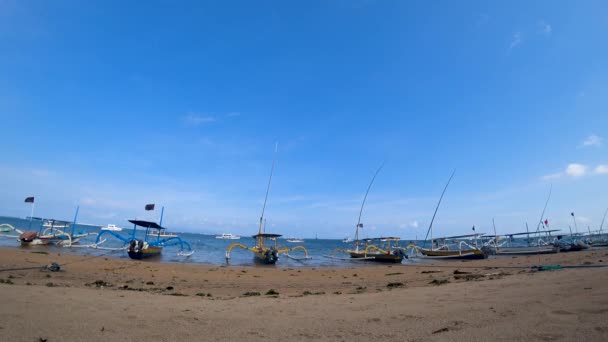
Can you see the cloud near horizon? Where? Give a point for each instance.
(195, 119)
(593, 140)
(576, 170)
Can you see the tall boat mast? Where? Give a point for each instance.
(276, 147)
(430, 230)
(362, 204)
(545, 208)
(602, 225)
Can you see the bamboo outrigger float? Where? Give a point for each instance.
(266, 249)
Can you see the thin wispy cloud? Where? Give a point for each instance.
(601, 169)
(544, 27)
(552, 176)
(576, 170)
(194, 119)
(232, 114)
(592, 140)
(516, 40)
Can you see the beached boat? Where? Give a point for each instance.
(454, 247)
(227, 236)
(266, 249)
(112, 227)
(508, 245)
(385, 249)
(54, 233)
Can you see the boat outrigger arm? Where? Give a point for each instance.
(10, 228)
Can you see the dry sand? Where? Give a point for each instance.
(103, 299)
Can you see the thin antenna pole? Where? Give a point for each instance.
(362, 204)
(437, 208)
(162, 211)
(74, 222)
(276, 147)
(495, 235)
(545, 208)
(575, 225)
(602, 225)
(32, 214)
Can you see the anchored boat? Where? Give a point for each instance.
(384, 249)
(266, 249)
(150, 245)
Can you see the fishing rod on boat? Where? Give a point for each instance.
(437, 208)
(575, 225)
(276, 147)
(363, 203)
(602, 225)
(544, 209)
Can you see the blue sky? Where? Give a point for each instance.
(114, 104)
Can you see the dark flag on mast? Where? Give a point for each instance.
(149, 206)
(29, 200)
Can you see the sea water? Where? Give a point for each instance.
(207, 249)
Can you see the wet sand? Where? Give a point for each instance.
(100, 299)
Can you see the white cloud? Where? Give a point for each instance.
(576, 170)
(552, 176)
(414, 224)
(601, 169)
(516, 40)
(544, 27)
(593, 140)
(194, 119)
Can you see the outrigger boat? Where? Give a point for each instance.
(266, 249)
(54, 233)
(504, 244)
(440, 248)
(454, 247)
(150, 246)
(384, 249)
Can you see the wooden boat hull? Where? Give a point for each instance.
(466, 254)
(138, 250)
(266, 257)
(149, 252)
(377, 257)
(524, 250)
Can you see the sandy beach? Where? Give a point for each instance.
(103, 298)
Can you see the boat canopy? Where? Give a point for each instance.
(524, 233)
(265, 235)
(146, 224)
(459, 236)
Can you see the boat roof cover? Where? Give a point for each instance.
(266, 235)
(532, 233)
(458, 236)
(146, 224)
